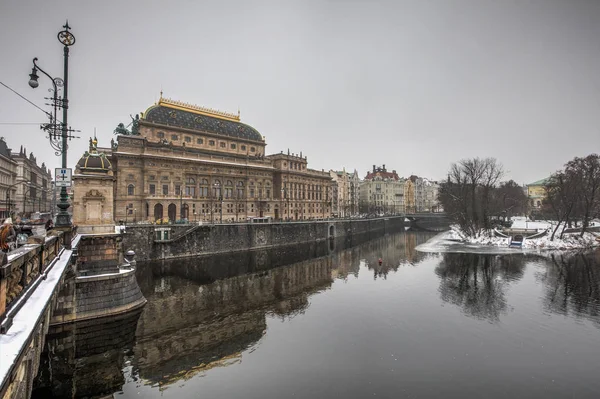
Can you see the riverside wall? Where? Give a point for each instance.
(192, 240)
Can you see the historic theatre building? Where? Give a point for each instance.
(181, 161)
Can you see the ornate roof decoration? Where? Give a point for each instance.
(93, 161)
(179, 114)
(202, 110)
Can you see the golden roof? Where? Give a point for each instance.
(167, 102)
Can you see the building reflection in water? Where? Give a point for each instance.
(478, 283)
(394, 251)
(572, 285)
(204, 312)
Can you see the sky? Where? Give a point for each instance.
(415, 85)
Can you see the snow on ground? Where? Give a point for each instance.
(455, 241)
(25, 321)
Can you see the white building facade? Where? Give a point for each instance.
(381, 192)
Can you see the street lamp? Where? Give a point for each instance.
(63, 219)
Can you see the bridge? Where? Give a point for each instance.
(54, 280)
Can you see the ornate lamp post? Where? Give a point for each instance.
(63, 219)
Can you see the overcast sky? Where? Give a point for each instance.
(415, 85)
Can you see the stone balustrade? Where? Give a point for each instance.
(21, 268)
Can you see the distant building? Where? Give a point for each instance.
(382, 192)
(345, 193)
(8, 179)
(536, 193)
(421, 195)
(33, 185)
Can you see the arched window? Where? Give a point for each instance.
(130, 189)
(190, 180)
(217, 189)
(204, 188)
(240, 189)
(228, 189)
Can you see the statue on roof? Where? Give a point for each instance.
(121, 129)
(135, 125)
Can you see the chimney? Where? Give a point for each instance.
(393, 171)
(373, 168)
(384, 167)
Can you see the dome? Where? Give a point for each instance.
(94, 162)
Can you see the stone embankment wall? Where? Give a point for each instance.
(103, 286)
(191, 240)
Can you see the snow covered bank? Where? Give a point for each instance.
(455, 241)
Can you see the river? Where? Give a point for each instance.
(324, 321)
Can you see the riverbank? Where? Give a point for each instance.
(180, 241)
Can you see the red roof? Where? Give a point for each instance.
(382, 175)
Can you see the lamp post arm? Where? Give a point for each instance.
(45, 73)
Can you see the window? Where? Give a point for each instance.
(160, 135)
(211, 142)
(165, 189)
(190, 180)
(233, 146)
(252, 192)
(191, 191)
(228, 189)
(204, 188)
(240, 189)
(174, 137)
(152, 189)
(152, 177)
(268, 193)
(130, 189)
(177, 190)
(199, 141)
(188, 139)
(217, 189)
(164, 177)
(252, 149)
(243, 148)
(222, 144)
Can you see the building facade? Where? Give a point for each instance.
(345, 195)
(33, 186)
(536, 193)
(93, 181)
(382, 192)
(8, 180)
(184, 162)
(420, 195)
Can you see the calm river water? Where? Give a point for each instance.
(309, 322)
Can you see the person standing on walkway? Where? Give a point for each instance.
(7, 235)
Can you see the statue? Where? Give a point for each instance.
(121, 129)
(135, 125)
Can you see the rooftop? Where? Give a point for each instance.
(188, 116)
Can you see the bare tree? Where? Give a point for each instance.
(561, 197)
(586, 172)
(467, 195)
